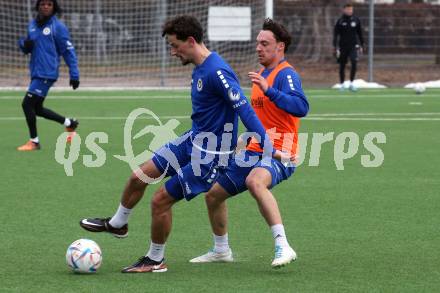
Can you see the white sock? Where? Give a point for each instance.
(121, 217)
(35, 139)
(221, 243)
(279, 235)
(156, 251)
(67, 122)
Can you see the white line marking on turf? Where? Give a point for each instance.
(371, 119)
(324, 118)
(371, 114)
(150, 97)
(415, 103)
(355, 96)
(104, 118)
(131, 97)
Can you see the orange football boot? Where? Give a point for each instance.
(29, 146)
(71, 129)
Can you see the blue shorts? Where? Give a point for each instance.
(233, 179)
(40, 87)
(190, 176)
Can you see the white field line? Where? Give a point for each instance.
(306, 118)
(148, 97)
(371, 119)
(372, 114)
(129, 97)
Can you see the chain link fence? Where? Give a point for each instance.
(406, 41)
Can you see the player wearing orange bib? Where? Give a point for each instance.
(279, 101)
(284, 124)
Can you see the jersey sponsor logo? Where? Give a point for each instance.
(353, 24)
(258, 102)
(289, 79)
(46, 31)
(242, 102)
(199, 85)
(223, 79)
(234, 94)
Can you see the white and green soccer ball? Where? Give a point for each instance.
(419, 88)
(84, 256)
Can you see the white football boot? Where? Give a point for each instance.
(352, 87)
(283, 256)
(213, 256)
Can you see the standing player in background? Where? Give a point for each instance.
(348, 43)
(47, 40)
(278, 99)
(217, 101)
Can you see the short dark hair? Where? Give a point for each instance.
(348, 5)
(56, 7)
(280, 32)
(183, 27)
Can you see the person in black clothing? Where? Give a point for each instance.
(347, 43)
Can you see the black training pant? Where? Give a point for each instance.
(33, 106)
(346, 53)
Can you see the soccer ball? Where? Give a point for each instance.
(419, 88)
(84, 256)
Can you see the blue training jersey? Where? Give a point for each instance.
(217, 100)
(51, 40)
(287, 93)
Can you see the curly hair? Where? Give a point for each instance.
(56, 7)
(279, 31)
(183, 27)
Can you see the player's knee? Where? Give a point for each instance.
(39, 111)
(156, 204)
(212, 200)
(254, 184)
(135, 180)
(27, 102)
(161, 202)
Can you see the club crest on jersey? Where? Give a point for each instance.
(234, 94)
(46, 31)
(353, 24)
(199, 85)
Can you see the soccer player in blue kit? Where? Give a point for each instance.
(47, 40)
(279, 102)
(193, 159)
